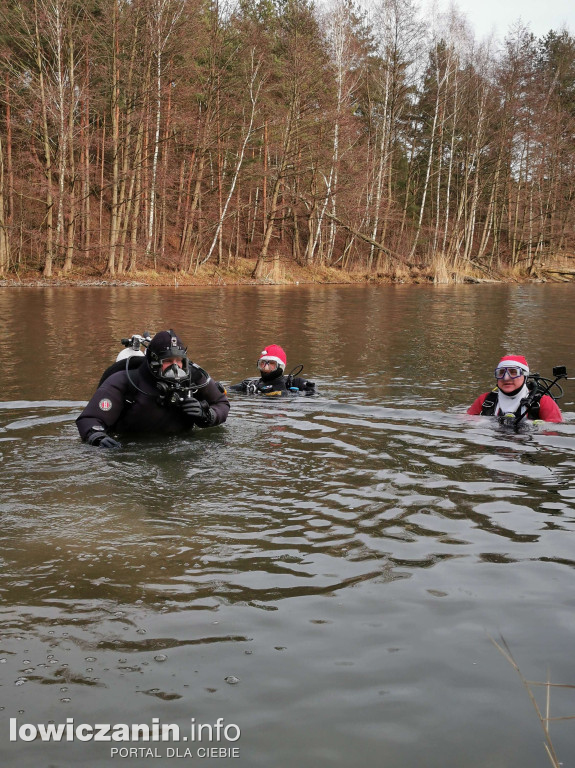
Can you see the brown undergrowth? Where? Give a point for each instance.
(240, 272)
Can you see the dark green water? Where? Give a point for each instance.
(343, 560)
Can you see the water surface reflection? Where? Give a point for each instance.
(325, 572)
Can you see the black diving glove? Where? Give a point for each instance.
(98, 437)
(199, 410)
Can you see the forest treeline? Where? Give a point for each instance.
(166, 134)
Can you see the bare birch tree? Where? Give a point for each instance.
(162, 20)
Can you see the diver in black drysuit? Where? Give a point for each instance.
(163, 393)
(272, 381)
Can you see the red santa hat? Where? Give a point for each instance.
(274, 352)
(514, 361)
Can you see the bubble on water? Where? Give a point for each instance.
(232, 680)
(90, 658)
(160, 657)
(248, 653)
(26, 661)
(141, 631)
(63, 690)
(66, 700)
(21, 681)
(3, 661)
(122, 661)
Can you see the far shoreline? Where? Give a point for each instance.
(287, 275)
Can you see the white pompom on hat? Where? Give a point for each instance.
(274, 352)
(514, 361)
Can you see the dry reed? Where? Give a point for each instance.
(504, 649)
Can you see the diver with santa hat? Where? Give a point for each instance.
(520, 395)
(273, 381)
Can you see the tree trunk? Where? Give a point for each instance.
(49, 205)
(4, 247)
(115, 119)
(71, 225)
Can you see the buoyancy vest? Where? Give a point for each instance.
(489, 407)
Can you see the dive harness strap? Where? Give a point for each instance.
(490, 403)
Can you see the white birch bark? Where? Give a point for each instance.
(254, 87)
(163, 20)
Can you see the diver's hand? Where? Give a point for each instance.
(109, 442)
(102, 440)
(199, 410)
(208, 415)
(248, 386)
(192, 408)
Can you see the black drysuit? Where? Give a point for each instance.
(131, 402)
(274, 385)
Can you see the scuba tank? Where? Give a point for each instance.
(132, 356)
(133, 346)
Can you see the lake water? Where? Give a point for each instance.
(324, 573)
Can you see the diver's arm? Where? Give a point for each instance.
(475, 408)
(104, 409)
(215, 403)
(241, 387)
(304, 385)
(549, 410)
